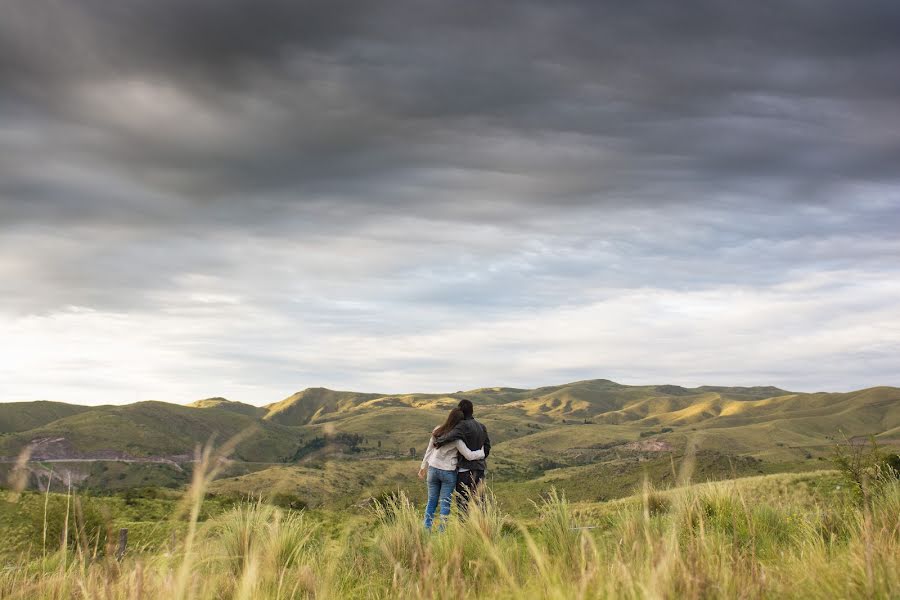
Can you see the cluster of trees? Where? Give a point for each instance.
(649, 433)
(351, 441)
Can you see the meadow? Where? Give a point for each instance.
(821, 534)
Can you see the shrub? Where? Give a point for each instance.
(288, 501)
(864, 468)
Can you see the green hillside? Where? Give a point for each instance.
(22, 416)
(593, 439)
(314, 404)
(230, 405)
(153, 429)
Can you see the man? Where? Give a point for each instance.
(470, 472)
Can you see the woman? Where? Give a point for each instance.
(441, 468)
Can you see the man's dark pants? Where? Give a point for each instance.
(467, 485)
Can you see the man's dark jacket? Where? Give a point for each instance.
(475, 436)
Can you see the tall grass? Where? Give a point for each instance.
(707, 541)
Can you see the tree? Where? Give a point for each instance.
(864, 467)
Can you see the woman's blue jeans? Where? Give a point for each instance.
(440, 488)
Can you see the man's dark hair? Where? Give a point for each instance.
(466, 406)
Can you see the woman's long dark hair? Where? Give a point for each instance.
(453, 418)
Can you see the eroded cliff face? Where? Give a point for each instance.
(56, 476)
(61, 449)
(648, 446)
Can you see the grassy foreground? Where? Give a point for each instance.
(703, 541)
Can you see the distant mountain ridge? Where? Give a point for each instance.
(273, 432)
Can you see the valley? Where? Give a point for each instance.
(594, 440)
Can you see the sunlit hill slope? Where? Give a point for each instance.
(560, 435)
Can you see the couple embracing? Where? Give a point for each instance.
(455, 459)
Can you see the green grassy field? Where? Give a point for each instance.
(786, 535)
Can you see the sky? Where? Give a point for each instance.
(245, 198)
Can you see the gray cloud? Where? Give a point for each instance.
(372, 170)
(207, 98)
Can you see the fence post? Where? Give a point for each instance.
(123, 543)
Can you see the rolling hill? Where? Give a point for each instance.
(231, 406)
(314, 404)
(582, 431)
(149, 429)
(22, 416)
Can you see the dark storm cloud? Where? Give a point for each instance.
(586, 101)
(378, 169)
